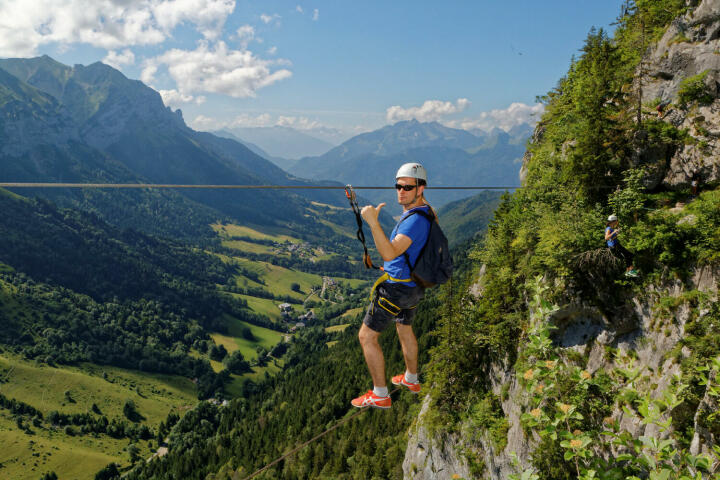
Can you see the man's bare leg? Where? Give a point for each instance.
(373, 355)
(409, 346)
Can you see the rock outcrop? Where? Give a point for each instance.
(649, 335)
(429, 457)
(690, 47)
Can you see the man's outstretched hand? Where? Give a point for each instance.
(370, 213)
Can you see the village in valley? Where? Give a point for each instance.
(297, 321)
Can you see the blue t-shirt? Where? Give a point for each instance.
(613, 239)
(417, 228)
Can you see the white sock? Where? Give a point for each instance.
(411, 377)
(380, 391)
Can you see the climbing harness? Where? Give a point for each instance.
(383, 277)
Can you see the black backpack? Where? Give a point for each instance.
(434, 265)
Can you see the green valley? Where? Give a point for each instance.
(179, 322)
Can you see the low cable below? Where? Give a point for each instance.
(316, 437)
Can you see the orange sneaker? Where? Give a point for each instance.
(372, 400)
(400, 380)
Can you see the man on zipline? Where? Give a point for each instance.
(395, 296)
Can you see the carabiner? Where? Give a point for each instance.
(350, 193)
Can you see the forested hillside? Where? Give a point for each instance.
(83, 302)
(310, 395)
(467, 219)
(77, 289)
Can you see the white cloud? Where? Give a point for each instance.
(147, 76)
(264, 120)
(237, 73)
(245, 34)
(300, 123)
(111, 24)
(269, 18)
(114, 59)
(208, 15)
(434, 110)
(299, 9)
(173, 98)
(312, 127)
(316, 14)
(272, 50)
(245, 120)
(516, 114)
(281, 61)
(431, 110)
(204, 124)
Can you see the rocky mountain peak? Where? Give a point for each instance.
(101, 100)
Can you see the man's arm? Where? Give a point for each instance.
(388, 250)
(611, 234)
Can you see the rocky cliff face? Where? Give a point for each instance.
(583, 329)
(690, 47)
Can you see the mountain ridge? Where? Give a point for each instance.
(283, 142)
(451, 157)
(112, 129)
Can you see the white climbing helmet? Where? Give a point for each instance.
(412, 170)
(612, 218)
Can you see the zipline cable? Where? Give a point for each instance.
(316, 437)
(226, 187)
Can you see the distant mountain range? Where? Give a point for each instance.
(518, 134)
(283, 142)
(92, 124)
(452, 157)
(283, 163)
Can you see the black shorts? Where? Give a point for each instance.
(393, 301)
(622, 253)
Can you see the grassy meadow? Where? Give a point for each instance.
(229, 231)
(28, 457)
(337, 328)
(233, 340)
(74, 389)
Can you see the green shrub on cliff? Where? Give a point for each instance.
(694, 89)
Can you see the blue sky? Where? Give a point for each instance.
(331, 68)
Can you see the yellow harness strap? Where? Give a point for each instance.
(383, 277)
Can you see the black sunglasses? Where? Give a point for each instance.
(407, 188)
